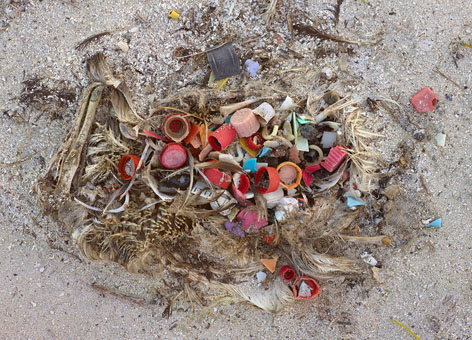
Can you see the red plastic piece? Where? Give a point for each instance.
(173, 156)
(244, 183)
(335, 157)
(218, 177)
(315, 288)
(255, 142)
(122, 166)
(425, 100)
(274, 179)
(250, 220)
(287, 272)
(306, 173)
(222, 137)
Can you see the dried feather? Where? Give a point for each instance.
(99, 71)
(85, 42)
(330, 181)
(314, 32)
(123, 105)
(336, 10)
(272, 300)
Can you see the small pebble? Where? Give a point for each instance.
(123, 46)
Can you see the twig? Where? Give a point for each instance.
(270, 11)
(446, 77)
(129, 297)
(314, 32)
(87, 41)
(379, 240)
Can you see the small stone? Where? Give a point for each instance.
(123, 46)
(41, 270)
(419, 135)
(309, 131)
(392, 191)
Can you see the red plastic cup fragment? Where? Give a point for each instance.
(425, 100)
(267, 179)
(335, 157)
(242, 182)
(127, 166)
(250, 220)
(173, 156)
(245, 122)
(306, 173)
(222, 137)
(218, 177)
(255, 142)
(313, 288)
(287, 272)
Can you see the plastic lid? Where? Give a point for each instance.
(173, 156)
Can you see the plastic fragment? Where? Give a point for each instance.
(287, 104)
(235, 228)
(174, 14)
(270, 264)
(249, 220)
(224, 61)
(261, 276)
(352, 202)
(243, 143)
(173, 156)
(305, 288)
(268, 184)
(222, 137)
(218, 177)
(424, 100)
(224, 200)
(127, 166)
(287, 272)
(245, 122)
(242, 182)
(293, 154)
(273, 198)
(328, 139)
(440, 139)
(437, 223)
(265, 113)
(335, 157)
(302, 121)
(252, 67)
(255, 142)
(265, 151)
(369, 259)
(302, 144)
(250, 165)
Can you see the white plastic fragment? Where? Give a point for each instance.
(266, 112)
(328, 139)
(287, 104)
(440, 139)
(304, 290)
(274, 197)
(302, 144)
(261, 276)
(224, 200)
(369, 259)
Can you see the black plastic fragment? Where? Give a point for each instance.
(224, 61)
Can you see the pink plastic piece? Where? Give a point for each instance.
(335, 157)
(424, 100)
(249, 219)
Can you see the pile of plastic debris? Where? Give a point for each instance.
(219, 199)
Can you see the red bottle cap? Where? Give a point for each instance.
(314, 287)
(218, 177)
(173, 156)
(335, 157)
(271, 181)
(127, 166)
(176, 127)
(255, 142)
(287, 272)
(222, 137)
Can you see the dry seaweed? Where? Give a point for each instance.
(317, 33)
(336, 10)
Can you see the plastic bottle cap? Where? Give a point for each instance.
(222, 137)
(218, 177)
(173, 156)
(127, 166)
(267, 179)
(176, 127)
(290, 175)
(314, 288)
(255, 142)
(287, 272)
(245, 122)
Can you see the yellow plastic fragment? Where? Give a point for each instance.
(174, 14)
(220, 83)
(246, 148)
(466, 45)
(408, 330)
